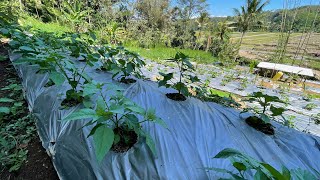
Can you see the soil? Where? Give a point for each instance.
(127, 140)
(128, 80)
(38, 165)
(176, 96)
(73, 99)
(70, 103)
(259, 125)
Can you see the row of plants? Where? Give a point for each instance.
(115, 120)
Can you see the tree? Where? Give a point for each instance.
(192, 8)
(247, 14)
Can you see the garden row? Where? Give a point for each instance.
(115, 121)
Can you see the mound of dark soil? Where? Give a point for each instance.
(259, 125)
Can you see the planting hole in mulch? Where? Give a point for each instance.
(127, 139)
(128, 80)
(70, 102)
(259, 125)
(49, 83)
(176, 96)
(73, 99)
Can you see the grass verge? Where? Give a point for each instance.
(159, 54)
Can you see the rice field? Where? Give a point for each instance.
(302, 49)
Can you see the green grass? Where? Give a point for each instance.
(26, 21)
(159, 54)
(220, 92)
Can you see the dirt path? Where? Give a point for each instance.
(38, 165)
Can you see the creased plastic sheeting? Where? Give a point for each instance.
(198, 131)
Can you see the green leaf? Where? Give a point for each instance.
(57, 78)
(194, 78)
(130, 68)
(276, 174)
(101, 106)
(240, 166)
(6, 100)
(265, 118)
(3, 58)
(114, 108)
(90, 89)
(103, 140)
(166, 77)
(151, 144)
(26, 48)
(277, 111)
(301, 174)
(136, 109)
(286, 173)
(93, 130)
(161, 123)
(235, 176)
(228, 152)
(259, 175)
(4, 110)
(82, 114)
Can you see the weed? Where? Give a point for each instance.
(16, 127)
(310, 106)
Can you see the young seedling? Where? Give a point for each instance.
(316, 118)
(261, 122)
(205, 93)
(184, 67)
(123, 62)
(310, 106)
(115, 120)
(52, 57)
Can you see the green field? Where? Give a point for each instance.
(262, 45)
(159, 54)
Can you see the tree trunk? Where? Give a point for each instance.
(208, 43)
(20, 1)
(242, 35)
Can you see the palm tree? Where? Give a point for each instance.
(246, 14)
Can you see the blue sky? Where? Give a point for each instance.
(225, 7)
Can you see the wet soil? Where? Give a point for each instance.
(259, 125)
(127, 139)
(128, 80)
(176, 96)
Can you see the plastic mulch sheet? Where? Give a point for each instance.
(198, 131)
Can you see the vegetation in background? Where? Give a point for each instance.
(247, 14)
